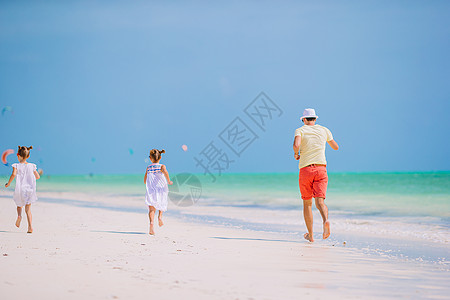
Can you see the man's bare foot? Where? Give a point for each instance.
(152, 232)
(309, 238)
(30, 230)
(160, 222)
(19, 219)
(326, 230)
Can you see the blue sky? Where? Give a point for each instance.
(94, 79)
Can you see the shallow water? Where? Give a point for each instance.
(390, 194)
(406, 215)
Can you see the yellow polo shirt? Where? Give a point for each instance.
(313, 142)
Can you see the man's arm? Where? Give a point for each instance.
(333, 145)
(296, 146)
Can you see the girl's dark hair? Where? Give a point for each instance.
(155, 154)
(24, 152)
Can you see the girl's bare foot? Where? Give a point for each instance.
(152, 232)
(160, 222)
(19, 219)
(308, 237)
(326, 229)
(30, 230)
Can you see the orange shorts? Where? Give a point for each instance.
(313, 181)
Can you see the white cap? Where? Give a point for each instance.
(309, 113)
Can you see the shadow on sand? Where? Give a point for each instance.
(119, 232)
(253, 239)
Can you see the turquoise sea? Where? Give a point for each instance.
(406, 215)
(383, 194)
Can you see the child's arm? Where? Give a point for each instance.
(145, 176)
(36, 173)
(166, 174)
(13, 175)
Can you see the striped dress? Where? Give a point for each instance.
(157, 190)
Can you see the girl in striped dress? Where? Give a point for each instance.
(156, 179)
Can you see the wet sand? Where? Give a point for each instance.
(83, 251)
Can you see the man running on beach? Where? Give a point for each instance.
(311, 140)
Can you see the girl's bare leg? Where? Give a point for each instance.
(19, 216)
(29, 217)
(160, 222)
(151, 216)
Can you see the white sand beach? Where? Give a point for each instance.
(80, 251)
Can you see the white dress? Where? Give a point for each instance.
(157, 190)
(25, 192)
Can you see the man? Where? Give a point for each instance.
(311, 140)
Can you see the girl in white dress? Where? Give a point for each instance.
(156, 196)
(25, 192)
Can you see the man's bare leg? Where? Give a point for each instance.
(19, 216)
(29, 217)
(307, 214)
(323, 209)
